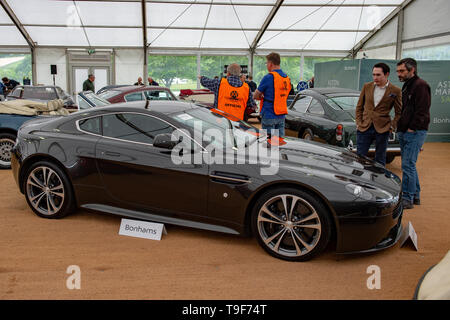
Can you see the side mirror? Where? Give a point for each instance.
(164, 140)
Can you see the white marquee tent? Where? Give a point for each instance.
(51, 29)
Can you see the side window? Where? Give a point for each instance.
(91, 125)
(301, 105)
(158, 95)
(316, 107)
(136, 96)
(134, 127)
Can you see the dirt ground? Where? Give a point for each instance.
(194, 264)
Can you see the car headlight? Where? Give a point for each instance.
(371, 193)
(358, 191)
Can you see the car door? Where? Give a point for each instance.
(316, 119)
(295, 119)
(142, 176)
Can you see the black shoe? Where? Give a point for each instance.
(407, 204)
(416, 201)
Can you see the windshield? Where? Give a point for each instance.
(346, 103)
(219, 128)
(95, 99)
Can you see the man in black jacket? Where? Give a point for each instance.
(412, 127)
(9, 84)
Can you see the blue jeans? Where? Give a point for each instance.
(273, 124)
(365, 139)
(410, 144)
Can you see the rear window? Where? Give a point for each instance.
(347, 103)
(40, 93)
(109, 94)
(91, 125)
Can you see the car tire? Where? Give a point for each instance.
(291, 224)
(308, 135)
(7, 142)
(48, 191)
(389, 158)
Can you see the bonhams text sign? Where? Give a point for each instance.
(141, 229)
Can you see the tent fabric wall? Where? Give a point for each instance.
(424, 18)
(46, 57)
(129, 65)
(425, 24)
(343, 74)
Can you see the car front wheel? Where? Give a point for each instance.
(291, 224)
(48, 191)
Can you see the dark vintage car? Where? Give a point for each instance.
(119, 159)
(137, 93)
(328, 115)
(42, 94)
(110, 87)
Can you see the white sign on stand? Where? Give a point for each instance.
(409, 233)
(142, 229)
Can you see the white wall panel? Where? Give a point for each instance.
(47, 57)
(129, 65)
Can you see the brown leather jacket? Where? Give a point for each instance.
(367, 113)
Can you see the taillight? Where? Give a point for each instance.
(339, 132)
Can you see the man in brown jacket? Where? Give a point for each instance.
(373, 121)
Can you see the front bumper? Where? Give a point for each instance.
(362, 233)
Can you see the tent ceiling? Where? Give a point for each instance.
(196, 24)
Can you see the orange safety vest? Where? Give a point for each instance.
(233, 100)
(282, 87)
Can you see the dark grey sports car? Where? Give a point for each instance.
(119, 159)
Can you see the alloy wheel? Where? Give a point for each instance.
(289, 225)
(6, 146)
(45, 190)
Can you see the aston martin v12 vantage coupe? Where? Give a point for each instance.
(122, 159)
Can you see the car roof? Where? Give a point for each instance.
(138, 88)
(160, 106)
(331, 91)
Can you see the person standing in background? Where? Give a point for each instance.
(273, 90)
(152, 82)
(412, 127)
(88, 84)
(373, 120)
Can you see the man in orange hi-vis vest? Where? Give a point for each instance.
(231, 95)
(273, 90)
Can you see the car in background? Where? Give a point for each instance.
(205, 97)
(88, 99)
(199, 96)
(110, 87)
(328, 115)
(137, 93)
(42, 94)
(119, 159)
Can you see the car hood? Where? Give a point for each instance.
(333, 162)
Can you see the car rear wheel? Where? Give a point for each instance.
(48, 191)
(291, 224)
(7, 141)
(307, 135)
